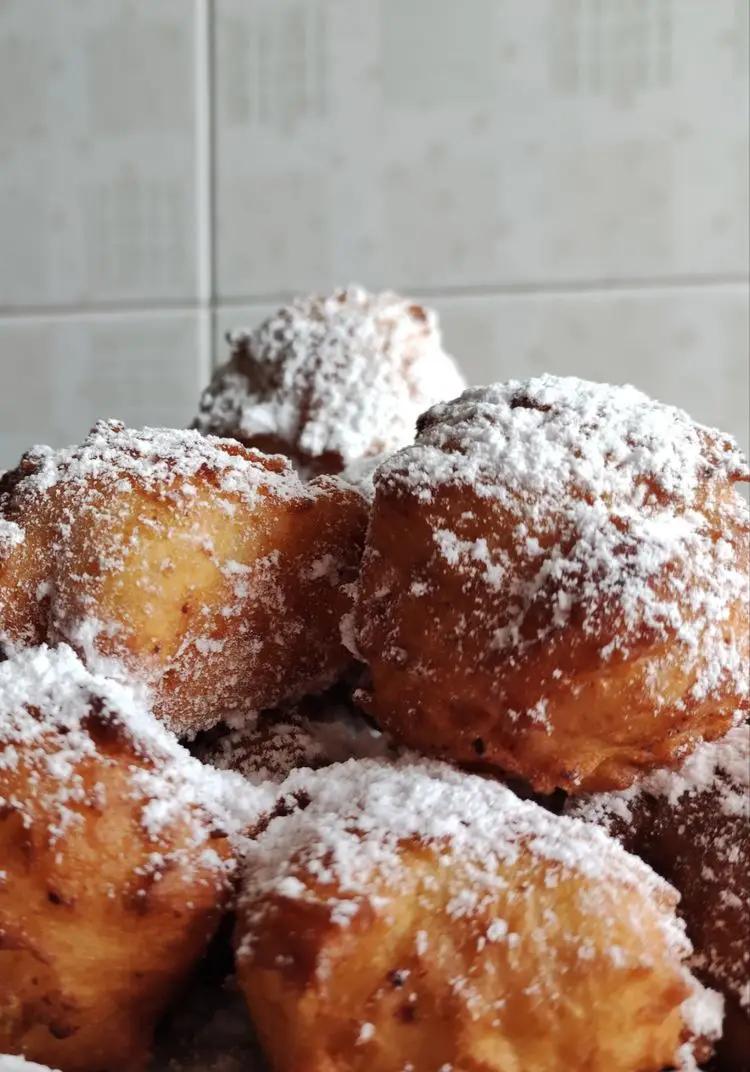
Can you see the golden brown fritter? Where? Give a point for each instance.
(331, 379)
(208, 571)
(115, 864)
(691, 826)
(411, 916)
(555, 582)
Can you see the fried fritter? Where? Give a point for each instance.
(691, 826)
(555, 583)
(115, 864)
(331, 379)
(412, 916)
(206, 570)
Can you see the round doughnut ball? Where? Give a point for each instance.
(412, 916)
(555, 583)
(203, 569)
(691, 826)
(331, 379)
(115, 864)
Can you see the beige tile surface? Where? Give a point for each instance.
(685, 346)
(97, 169)
(436, 144)
(57, 376)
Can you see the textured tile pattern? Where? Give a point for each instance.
(565, 179)
(541, 142)
(97, 183)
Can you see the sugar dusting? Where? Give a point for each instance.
(11, 535)
(347, 839)
(158, 459)
(345, 374)
(362, 810)
(9, 1063)
(721, 768)
(692, 823)
(603, 443)
(97, 530)
(268, 747)
(47, 699)
(621, 513)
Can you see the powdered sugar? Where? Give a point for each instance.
(539, 438)
(11, 535)
(345, 374)
(703, 1014)
(159, 459)
(272, 745)
(131, 555)
(47, 701)
(360, 812)
(721, 768)
(354, 834)
(691, 824)
(621, 511)
(361, 474)
(19, 1064)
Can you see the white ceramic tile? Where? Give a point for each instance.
(57, 376)
(429, 143)
(97, 175)
(686, 346)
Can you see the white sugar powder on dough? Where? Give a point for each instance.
(705, 805)
(11, 535)
(347, 373)
(361, 810)
(158, 459)
(606, 489)
(358, 814)
(46, 696)
(97, 477)
(9, 1063)
(719, 767)
(269, 748)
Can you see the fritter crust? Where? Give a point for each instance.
(413, 916)
(555, 582)
(691, 826)
(115, 865)
(330, 380)
(208, 571)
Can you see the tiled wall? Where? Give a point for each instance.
(566, 180)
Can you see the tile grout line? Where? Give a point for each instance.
(208, 302)
(101, 310)
(204, 174)
(543, 288)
